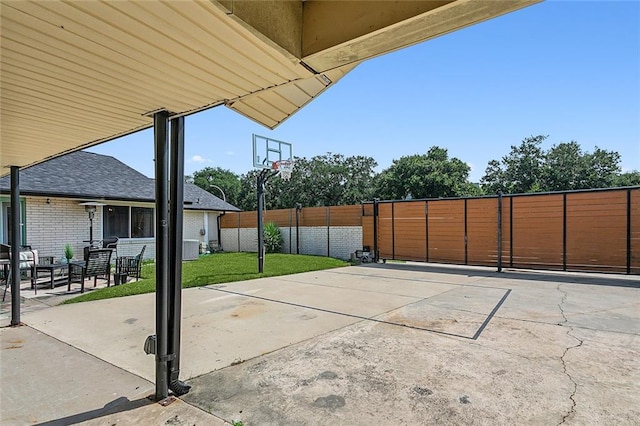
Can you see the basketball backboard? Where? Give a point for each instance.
(266, 151)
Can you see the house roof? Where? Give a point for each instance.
(86, 175)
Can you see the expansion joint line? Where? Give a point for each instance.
(564, 361)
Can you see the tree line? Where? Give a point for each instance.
(333, 179)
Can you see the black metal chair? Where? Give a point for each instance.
(111, 243)
(28, 261)
(96, 265)
(130, 265)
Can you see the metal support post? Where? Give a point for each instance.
(629, 231)
(298, 209)
(261, 182)
(176, 201)
(162, 253)
(375, 230)
(564, 231)
(499, 231)
(16, 241)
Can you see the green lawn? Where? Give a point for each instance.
(218, 268)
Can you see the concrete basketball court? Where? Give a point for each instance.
(374, 344)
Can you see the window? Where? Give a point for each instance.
(127, 222)
(141, 222)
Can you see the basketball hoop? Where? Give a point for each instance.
(284, 168)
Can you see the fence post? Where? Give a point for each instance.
(393, 230)
(499, 231)
(375, 229)
(426, 228)
(290, 249)
(511, 232)
(466, 238)
(628, 231)
(564, 231)
(298, 209)
(238, 232)
(328, 231)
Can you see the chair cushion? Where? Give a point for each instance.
(30, 257)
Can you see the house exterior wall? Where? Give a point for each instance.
(336, 241)
(53, 222)
(194, 221)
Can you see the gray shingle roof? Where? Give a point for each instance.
(93, 176)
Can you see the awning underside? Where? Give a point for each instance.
(74, 74)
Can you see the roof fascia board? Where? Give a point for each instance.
(447, 18)
(330, 23)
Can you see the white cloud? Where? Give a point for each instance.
(229, 153)
(200, 159)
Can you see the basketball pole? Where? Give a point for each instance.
(263, 177)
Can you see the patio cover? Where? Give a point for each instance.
(78, 73)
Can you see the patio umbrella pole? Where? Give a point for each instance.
(176, 201)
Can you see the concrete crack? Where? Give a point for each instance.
(564, 299)
(564, 361)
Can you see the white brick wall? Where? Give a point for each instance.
(193, 222)
(229, 239)
(344, 240)
(51, 225)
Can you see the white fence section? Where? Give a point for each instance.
(335, 241)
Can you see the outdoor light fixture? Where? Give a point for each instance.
(91, 207)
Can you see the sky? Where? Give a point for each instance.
(566, 69)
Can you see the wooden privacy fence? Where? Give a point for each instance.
(597, 230)
(308, 216)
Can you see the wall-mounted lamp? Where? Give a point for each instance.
(48, 201)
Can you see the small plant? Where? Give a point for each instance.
(272, 238)
(68, 252)
(237, 423)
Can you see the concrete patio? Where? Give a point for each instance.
(372, 344)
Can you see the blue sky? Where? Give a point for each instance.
(567, 69)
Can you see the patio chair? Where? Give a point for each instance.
(111, 243)
(96, 265)
(28, 261)
(130, 265)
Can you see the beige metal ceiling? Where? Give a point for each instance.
(78, 73)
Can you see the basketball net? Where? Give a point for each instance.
(284, 168)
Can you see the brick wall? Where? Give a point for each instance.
(343, 240)
(193, 222)
(49, 226)
(52, 225)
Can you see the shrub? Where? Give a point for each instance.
(272, 238)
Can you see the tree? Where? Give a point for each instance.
(210, 179)
(603, 168)
(425, 176)
(332, 180)
(565, 167)
(528, 168)
(519, 171)
(325, 180)
(627, 179)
